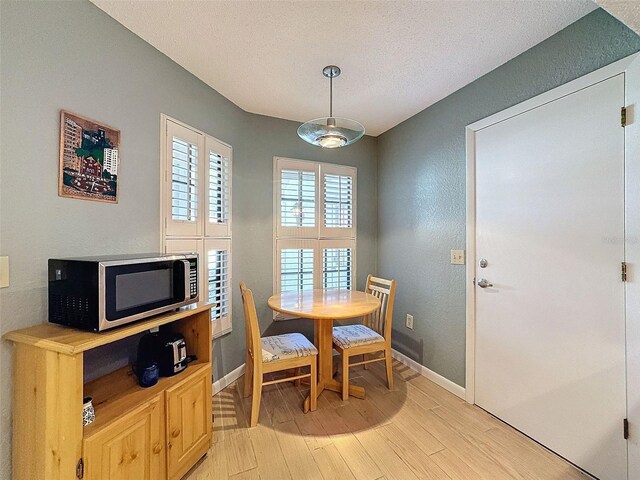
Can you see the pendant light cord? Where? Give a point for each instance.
(331, 96)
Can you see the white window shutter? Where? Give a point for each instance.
(296, 265)
(338, 187)
(218, 207)
(338, 264)
(314, 225)
(196, 211)
(217, 266)
(182, 192)
(296, 198)
(296, 268)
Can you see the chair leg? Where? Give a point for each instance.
(255, 402)
(298, 382)
(248, 370)
(366, 365)
(345, 376)
(314, 384)
(389, 364)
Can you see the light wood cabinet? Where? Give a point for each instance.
(131, 447)
(188, 423)
(139, 433)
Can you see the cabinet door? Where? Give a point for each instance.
(188, 422)
(132, 447)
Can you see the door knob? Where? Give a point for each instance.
(484, 283)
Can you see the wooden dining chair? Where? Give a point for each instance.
(273, 354)
(371, 337)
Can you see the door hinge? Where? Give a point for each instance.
(624, 271)
(625, 429)
(623, 117)
(80, 469)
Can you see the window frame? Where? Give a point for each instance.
(318, 237)
(175, 236)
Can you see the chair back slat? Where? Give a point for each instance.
(384, 290)
(252, 327)
(381, 281)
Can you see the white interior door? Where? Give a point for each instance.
(550, 331)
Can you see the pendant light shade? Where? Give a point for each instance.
(331, 132)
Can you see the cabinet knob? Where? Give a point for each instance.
(157, 448)
(175, 433)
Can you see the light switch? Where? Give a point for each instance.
(457, 257)
(4, 272)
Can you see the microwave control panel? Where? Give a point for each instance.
(193, 277)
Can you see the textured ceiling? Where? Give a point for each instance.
(627, 11)
(397, 57)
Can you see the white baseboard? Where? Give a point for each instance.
(228, 379)
(445, 383)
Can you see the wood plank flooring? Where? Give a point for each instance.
(418, 430)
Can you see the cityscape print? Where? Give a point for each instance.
(89, 159)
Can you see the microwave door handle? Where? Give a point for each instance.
(187, 280)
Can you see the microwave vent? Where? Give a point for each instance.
(68, 309)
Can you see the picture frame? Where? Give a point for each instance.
(89, 162)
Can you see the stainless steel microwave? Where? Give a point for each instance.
(98, 293)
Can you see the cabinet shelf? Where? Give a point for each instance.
(117, 394)
(70, 341)
(146, 430)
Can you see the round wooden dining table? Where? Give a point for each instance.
(325, 306)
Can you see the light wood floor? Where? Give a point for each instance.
(415, 431)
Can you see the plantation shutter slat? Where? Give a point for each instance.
(338, 186)
(296, 269)
(296, 199)
(218, 282)
(338, 201)
(218, 222)
(184, 181)
(183, 177)
(337, 267)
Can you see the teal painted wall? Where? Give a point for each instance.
(421, 184)
(73, 56)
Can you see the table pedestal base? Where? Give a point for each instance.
(323, 334)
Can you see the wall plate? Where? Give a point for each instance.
(457, 257)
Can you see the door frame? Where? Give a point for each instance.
(630, 66)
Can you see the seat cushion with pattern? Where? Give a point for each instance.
(289, 345)
(350, 336)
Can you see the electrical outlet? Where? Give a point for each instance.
(410, 321)
(457, 257)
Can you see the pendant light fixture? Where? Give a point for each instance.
(331, 132)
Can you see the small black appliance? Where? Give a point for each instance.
(168, 350)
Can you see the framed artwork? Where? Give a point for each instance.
(89, 159)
